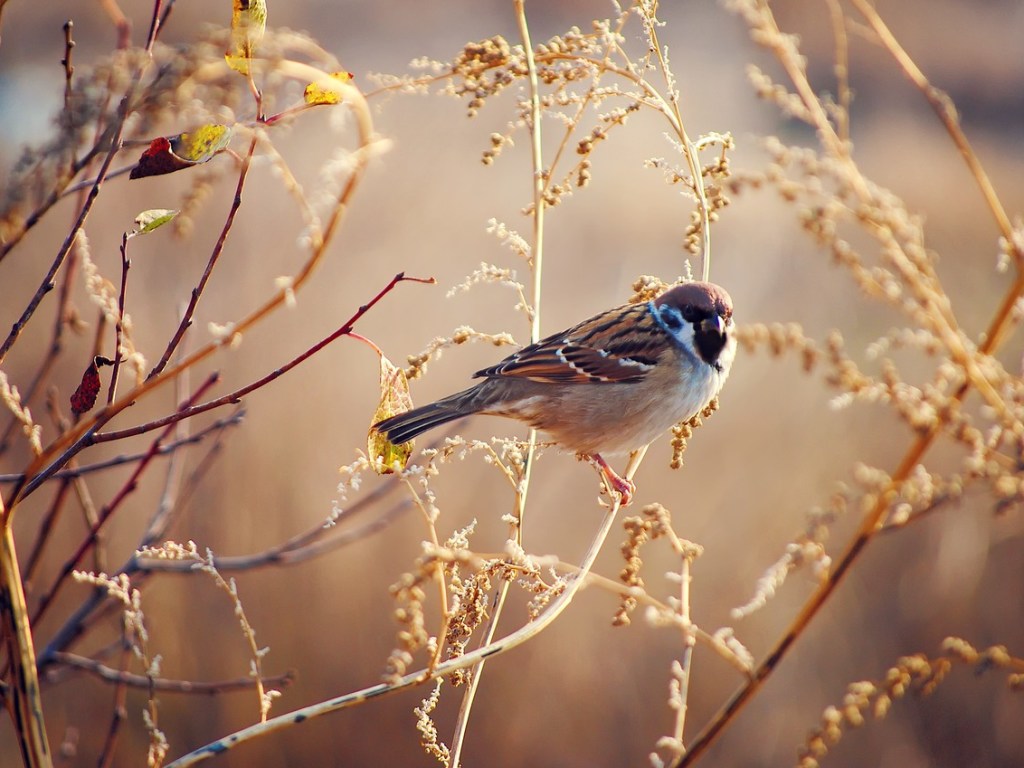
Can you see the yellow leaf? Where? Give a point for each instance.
(202, 143)
(248, 23)
(394, 398)
(238, 63)
(318, 94)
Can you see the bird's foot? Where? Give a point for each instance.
(614, 481)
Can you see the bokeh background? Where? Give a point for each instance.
(583, 693)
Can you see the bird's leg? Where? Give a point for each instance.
(615, 482)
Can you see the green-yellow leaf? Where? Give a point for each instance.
(394, 398)
(248, 23)
(202, 143)
(152, 219)
(318, 94)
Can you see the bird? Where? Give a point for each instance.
(608, 385)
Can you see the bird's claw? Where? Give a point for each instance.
(614, 482)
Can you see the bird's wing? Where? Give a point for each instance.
(620, 345)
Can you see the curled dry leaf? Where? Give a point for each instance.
(167, 154)
(84, 398)
(394, 398)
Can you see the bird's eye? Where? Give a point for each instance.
(689, 313)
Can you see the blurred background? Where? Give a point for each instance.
(583, 693)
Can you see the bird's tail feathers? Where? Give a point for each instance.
(405, 426)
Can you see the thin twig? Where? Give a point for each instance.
(946, 111)
(155, 22)
(86, 183)
(69, 67)
(871, 525)
(168, 7)
(47, 283)
(218, 248)
(16, 236)
(117, 461)
(111, 507)
(119, 327)
(842, 69)
(689, 148)
(110, 675)
(120, 714)
(238, 394)
(689, 640)
(470, 659)
(64, 316)
(122, 24)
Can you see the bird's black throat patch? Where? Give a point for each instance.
(709, 344)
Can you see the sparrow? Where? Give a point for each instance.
(609, 385)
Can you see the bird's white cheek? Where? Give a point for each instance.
(726, 357)
(684, 336)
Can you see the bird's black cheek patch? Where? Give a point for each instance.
(709, 344)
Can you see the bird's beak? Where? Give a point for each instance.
(714, 323)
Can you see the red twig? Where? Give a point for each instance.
(168, 7)
(93, 436)
(119, 330)
(238, 394)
